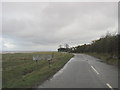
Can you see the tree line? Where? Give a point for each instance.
(64, 49)
(106, 44)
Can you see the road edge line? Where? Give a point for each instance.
(95, 70)
(109, 86)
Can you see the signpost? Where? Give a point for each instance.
(47, 57)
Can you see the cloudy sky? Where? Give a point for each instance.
(44, 26)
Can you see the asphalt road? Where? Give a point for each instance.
(84, 71)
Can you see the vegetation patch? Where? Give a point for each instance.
(104, 48)
(105, 57)
(21, 71)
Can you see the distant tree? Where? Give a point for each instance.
(60, 46)
(105, 44)
(66, 46)
(66, 49)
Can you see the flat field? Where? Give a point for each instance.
(19, 70)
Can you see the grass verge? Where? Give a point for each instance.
(105, 58)
(20, 71)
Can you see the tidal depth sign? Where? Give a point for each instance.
(42, 57)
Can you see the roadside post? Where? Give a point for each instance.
(52, 55)
(49, 62)
(49, 59)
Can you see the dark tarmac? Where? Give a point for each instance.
(84, 71)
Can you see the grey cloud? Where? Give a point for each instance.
(46, 25)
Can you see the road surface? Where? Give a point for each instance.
(84, 71)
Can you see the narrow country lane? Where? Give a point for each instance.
(84, 71)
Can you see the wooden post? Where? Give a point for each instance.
(49, 62)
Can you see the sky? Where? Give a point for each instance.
(43, 26)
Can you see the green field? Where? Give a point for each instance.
(20, 71)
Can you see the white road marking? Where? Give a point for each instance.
(109, 86)
(95, 70)
(106, 83)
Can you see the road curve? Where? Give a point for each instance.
(84, 71)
